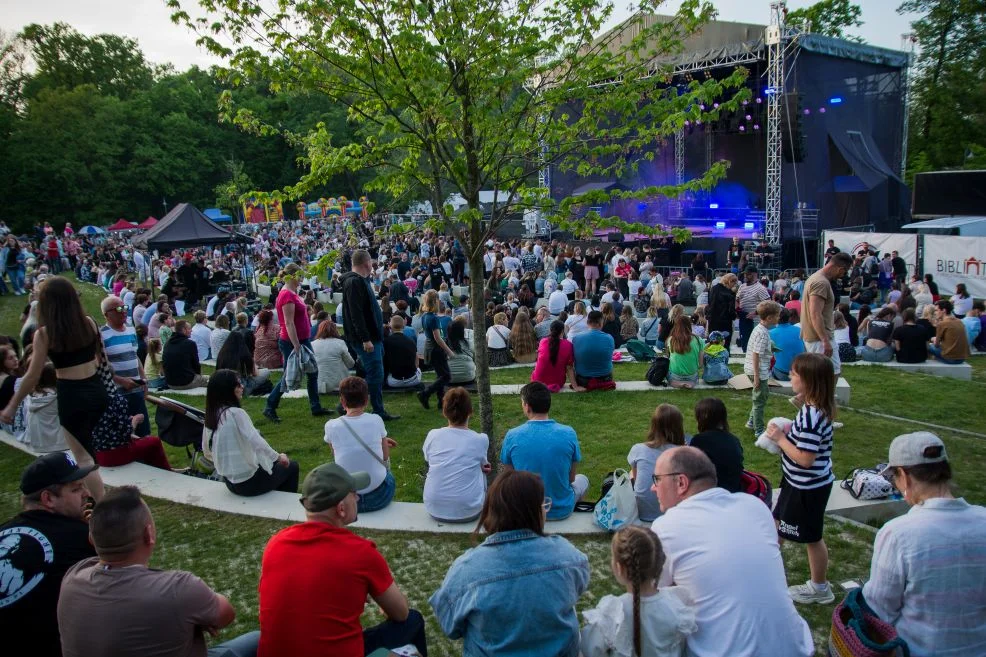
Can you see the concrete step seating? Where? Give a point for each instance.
(398, 516)
(962, 372)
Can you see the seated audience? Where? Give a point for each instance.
(787, 338)
(659, 620)
(462, 363)
(332, 356)
(519, 581)
(547, 448)
(878, 347)
(715, 360)
(542, 323)
(235, 355)
(400, 357)
(115, 604)
(650, 327)
(557, 302)
(152, 363)
(265, 351)
(973, 322)
(498, 341)
(556, 360)
(719, 588)
(317, 576)
(667, 429)
(722, 447)
(523, 342)
(247, 463)
(628, 324)
(911, 340)
(49, 536)
(950, 344)
(593, 351)
(359, 443)
(928, 574)
(218, 335)
(611, 323)
(457, 466)
(686, 354)
(180, 361)
(578, 321)
(201, 334)
(842, 338)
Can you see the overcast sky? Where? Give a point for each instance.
(148, 21)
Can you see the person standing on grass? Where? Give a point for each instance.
(756, 364)
(317, 576)
(817, 322)
(806, 461)
(120, 347)
(750, 294)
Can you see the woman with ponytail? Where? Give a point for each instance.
(645, 621)
(556, 360)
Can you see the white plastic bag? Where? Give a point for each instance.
(763, 442)
(618, 506)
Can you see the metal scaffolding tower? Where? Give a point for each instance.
(907, 42)
(709, 149)
(679, 170)
(775, 42)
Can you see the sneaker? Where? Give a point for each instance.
(319, 412)
(837, 425)
(749, 424)
(808, 593)
(272, 416)
(387, 417)
(423, 398)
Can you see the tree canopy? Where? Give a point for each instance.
(830, 17)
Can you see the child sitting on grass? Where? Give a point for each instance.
(716, 370)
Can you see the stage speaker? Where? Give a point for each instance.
(614, 237)
(792, 128)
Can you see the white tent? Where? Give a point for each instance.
(964, 226)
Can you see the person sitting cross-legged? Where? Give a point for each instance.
(180, 361)
(950, 344)
(400, 357)
(545, 447)
(593, 353)
(316, 578)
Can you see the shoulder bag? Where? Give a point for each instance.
(384, 463)
(858, 632)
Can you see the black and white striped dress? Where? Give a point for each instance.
(811, 432)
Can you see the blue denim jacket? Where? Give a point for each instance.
(514, 596)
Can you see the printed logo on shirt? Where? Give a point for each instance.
(25, 554)
(788, 530)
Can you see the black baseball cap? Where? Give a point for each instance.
(50, 470)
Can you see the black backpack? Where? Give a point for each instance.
(657, 373)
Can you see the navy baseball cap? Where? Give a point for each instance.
(50, 470)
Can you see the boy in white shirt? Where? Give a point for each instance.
(757, 362)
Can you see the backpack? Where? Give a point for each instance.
(658, 370)
(640, 350)
(757, 485)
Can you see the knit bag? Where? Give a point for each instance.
(858, 632)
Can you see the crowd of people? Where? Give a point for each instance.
(559, 308)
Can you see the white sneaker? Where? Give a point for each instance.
(749, 424)
(837, 425)
(807, 594)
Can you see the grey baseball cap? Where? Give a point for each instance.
(916, 448)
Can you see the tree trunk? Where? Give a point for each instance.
(477, 286)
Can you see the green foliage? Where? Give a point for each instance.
(830, 18)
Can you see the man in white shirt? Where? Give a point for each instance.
(557, 302)
(568, 284)
(721, 549)
(201, 333)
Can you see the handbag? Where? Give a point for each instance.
(618, 506)
(355, 435)
(858, 632)
(867, 484)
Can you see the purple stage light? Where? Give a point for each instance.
(749, 118)
(702, 107)
(742, 128)
(715, 105)
(759, 100)
(687, 122)
(821, 110)
(756, 126)
(807, 112)
(745, 103)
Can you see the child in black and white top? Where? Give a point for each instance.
(806, 460)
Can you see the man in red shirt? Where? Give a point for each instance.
(315, 578)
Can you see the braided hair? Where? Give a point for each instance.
(557, 333)
(639, 554)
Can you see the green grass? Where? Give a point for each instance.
(607, 423)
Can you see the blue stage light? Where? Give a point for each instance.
(720, 225)
(713, 206)
(747, 225)
(835, 100)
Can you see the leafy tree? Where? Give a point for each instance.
(830, 18)
(13, 57)
(947, 122)
(229, 192)
(466, 95)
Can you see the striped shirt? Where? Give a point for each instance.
(759, 343)
(811, 432)
(121, 350)
(749, 296)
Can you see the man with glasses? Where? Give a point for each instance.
(722, 549)
(120, 346)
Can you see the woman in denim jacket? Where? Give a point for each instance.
(514, 594)
(12, 259)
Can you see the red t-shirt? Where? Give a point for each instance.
(302, 324)
(314, 579)
(550, 375)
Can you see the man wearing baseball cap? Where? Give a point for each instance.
(928, 574)
(38, 546)
(315, 578)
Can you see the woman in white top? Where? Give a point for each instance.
(577, 322)
(246, 462)
(457, 465)
(332, 356)
(219, 334)
(961, 301)
(359, 443)
(923, 298)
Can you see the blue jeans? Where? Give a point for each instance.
(936, 352)
(393, 634)
(870, 355)
(372, 362)
(745, 329)
(244, 645)
(16, 278)
(779, 375)
(135, 405)
(379, 497)
(274, 398)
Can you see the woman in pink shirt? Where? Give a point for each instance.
(556, 360)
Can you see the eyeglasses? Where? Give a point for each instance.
(546, 505)
(657, 477)
(118, 309)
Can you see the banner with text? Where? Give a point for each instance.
(851, 242)
(952, 260)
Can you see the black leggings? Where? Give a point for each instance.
(283, 478)
(439, 361)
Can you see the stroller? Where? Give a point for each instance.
(181, 425)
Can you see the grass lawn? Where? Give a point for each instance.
(607, 423)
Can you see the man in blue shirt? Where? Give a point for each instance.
(548, 449)
(787, 338)
(593, 351)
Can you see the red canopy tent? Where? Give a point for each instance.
(122, 224)
(147, 223)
